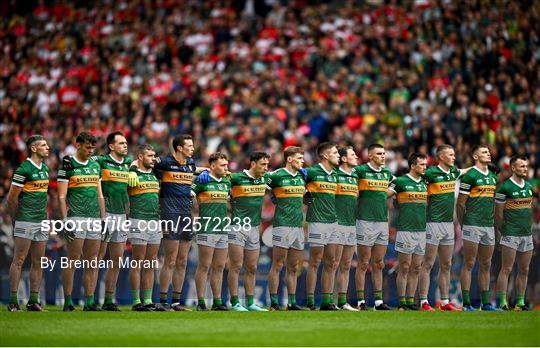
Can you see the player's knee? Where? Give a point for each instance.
(251, 269)
(468, 264)
(378, 265)
(415, 269)
(506, 270)
(17, 262)
(235, 266)
(292, 269)
(202, 267)
(523, 270)
(444, 266)
(345, 266)
(180, 264)
(485, 265)
(363, 265)
(404, 267)
(218, 268)
(170, 263)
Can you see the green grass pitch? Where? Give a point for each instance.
(126, 328)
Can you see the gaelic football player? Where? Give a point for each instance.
(211, 229)
(145, 231)
(441, 180)
(346, 196)
(80, 188)
(411, 192)
(27, 206)
(513, 216)
(287, 186)
(323, 236)
(247, 195)
(475, 210)
(372, 223)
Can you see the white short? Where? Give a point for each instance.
(477, 234)
(216, 241)
(248, 239)
(88, 228)
(31, 231)
(144, 232)
(440, 233)
(519, 243)
(369, 233)
(411, 242)
(116, 233)
(288, 237)
(348, 235)
(320, 234)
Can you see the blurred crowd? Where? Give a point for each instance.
(261, 75)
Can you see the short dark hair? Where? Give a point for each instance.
(442, 148)
(86, 137)
(112, 136)
(142, 148)
(258, 155)
(217, 156)
(291, 151)
(32, 140)
(515, 158)
(414, 157)
(374, 146)
(343, 151)
(180, 140)
(323, 147)
(475, 148)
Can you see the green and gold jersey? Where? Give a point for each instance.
(34, 181)
(212, 199)
(248, 193)
(82, 193)
(412, 201)
(372, 192)
(346, 196)
(289, 192)
(144, 198)
(517, 200)
(322, 184)
(114, 182)
(441, 193)
(480, 187)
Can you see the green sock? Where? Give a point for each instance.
(520, 300)
(410, 301)
(342, 299)
(217, 302)
(292, 299)
(108, 297)
(89, 300)
(234, 300)
(325, 298)
(68, 301)
(377, 295)
(402, 301)
(250, 300)
(465, 294)
(485, 297)
(201, 301)
(34, 297)
(13, 297)
(273, 299)
(147, 296)
(502, 298)
(422, 298)
(310, 299)
(135, 297)
(360, 295)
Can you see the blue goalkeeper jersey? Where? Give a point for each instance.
(176, 179)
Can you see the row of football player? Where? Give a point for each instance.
(334, 234)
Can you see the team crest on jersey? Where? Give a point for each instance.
(220, 187)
